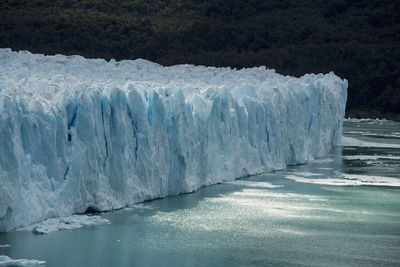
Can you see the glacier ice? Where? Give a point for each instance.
(78, 134)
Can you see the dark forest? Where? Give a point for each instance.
(358, 40)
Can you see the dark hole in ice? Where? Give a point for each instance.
(91, 209)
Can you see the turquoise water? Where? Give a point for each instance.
(298, 216)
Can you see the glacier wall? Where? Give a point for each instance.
(78, 134)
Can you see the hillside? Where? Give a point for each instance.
(358, 40)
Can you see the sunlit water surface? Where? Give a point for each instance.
(329, 212)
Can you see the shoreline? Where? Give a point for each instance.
(371, 114)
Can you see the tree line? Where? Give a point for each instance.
(357, 39)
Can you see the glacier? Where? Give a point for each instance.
(81, 134)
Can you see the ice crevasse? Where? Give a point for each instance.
(79, 134)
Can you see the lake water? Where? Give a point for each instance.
(337, 211)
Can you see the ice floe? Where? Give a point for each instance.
(6, 261)
(364, 120)
(254, 184)
(371, 157)
(65, 223)
(348, 179)
(350, 141)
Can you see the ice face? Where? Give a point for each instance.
(80, 133)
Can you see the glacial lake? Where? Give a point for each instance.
(337, 211)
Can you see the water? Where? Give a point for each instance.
(305, 215)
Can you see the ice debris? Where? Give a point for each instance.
(7, 261)
(254, 184)
(65, 223)
(354, 142)
(348, 180)
(364, 120)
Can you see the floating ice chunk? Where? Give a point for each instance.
(254, 184)
(307, 174)
(7, 261)
(371, 157)
(322, 160)
(349, 179)
(364, 120)
(66, 223)
(350, 141)
(373, 180)
(390, 135)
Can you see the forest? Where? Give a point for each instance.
(357, 39)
